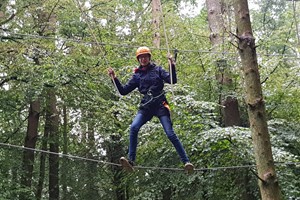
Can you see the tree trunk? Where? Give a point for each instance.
(30, 142)
(215, 9)
(242, 181)
(230, 113)
(64, 169)
(167, 194)
(114, 149)
(268, 183)
(156, 13)
(41, 180)
(52, 125)
(92, 191)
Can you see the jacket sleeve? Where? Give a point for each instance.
(166, 76)
(128, 87)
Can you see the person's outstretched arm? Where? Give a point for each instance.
(123, 89)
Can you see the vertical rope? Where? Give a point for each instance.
(77, 3)
(168, 49)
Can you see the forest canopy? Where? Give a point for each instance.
(56, 96)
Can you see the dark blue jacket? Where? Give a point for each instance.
(152, 79)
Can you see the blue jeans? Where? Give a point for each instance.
(141, 119)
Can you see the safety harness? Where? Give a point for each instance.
(151, 99)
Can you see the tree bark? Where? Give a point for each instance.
(30, 142)
(230, 113)
(41, 180)
(52, 120)
(156, 13)
(268, 183)
(216, 23)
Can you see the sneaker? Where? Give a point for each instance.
(188, 167)
(127, 165)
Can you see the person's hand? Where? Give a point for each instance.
(171, 59)
(111, 73)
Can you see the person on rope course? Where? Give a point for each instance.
(149, 79)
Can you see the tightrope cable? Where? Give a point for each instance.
(59, 154)
(116, 164)
(32, 36)
(145, 167)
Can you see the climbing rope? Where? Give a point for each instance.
(95, 38)
(168, 51)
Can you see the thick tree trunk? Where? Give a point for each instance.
(216, 12)
(269, 187)
(52, 120)
(156, 13)
(30, 142)
(215, 9)
(231, 113)
(41, 180)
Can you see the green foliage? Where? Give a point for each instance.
(274, 25)
(73, 56)
(285, 140)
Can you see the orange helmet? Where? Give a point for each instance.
(142, 50)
